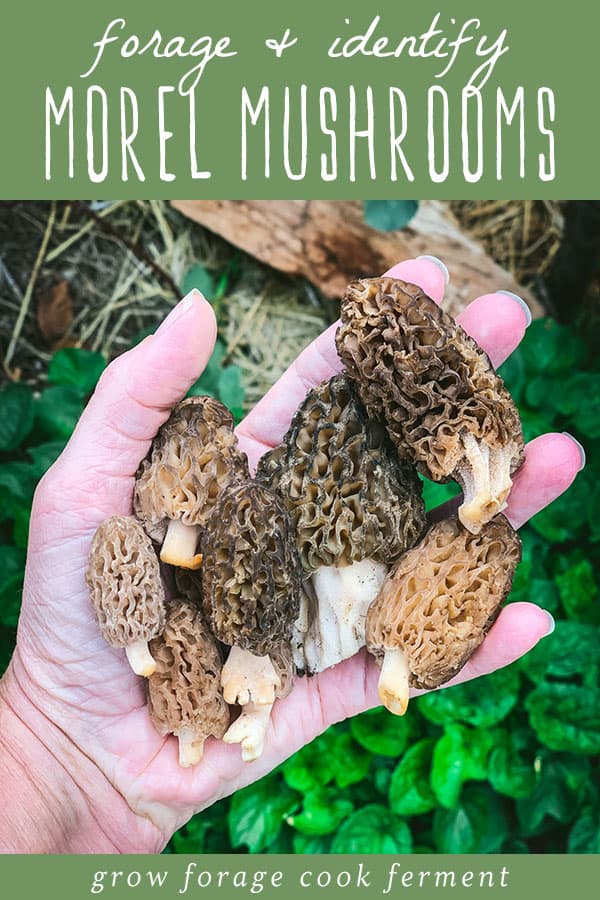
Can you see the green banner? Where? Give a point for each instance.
(366, 877)
(335, 100)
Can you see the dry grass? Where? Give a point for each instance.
(125, 261)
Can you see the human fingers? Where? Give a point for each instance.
(132, 400)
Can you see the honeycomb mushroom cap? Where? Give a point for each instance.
(184, 692)
(123, 576)
(348, 495)
(424, 377)
(442, 597)
(193, 458)
(251, 573)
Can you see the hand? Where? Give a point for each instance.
(74, 717)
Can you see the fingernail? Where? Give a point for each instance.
(437, 262)
(580, 446)
(521, 303)
(551, 623)
(178, 311)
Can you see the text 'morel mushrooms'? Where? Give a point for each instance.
(193, 458)
(126, 590)
(251, 586)
(355, 509)
(444, 407)
(437, 604)
(184, 692)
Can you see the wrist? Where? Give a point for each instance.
(55, 799)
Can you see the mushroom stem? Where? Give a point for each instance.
(140, 659)
(179, 545)
(191, 747)
(250, 729)
(485, 476)
(343, 596)
(393, 682)
(249, 679)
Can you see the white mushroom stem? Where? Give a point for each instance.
(336, 626)
(140, 659)
(246, 678)
(485, 476)
(179, 545)
(191, 747)
(393, 682)
(250, 729)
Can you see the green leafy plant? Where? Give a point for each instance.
(509, 762)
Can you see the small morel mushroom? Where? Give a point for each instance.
(193, 458)
(127, 594)
(184, 692)
(444, 407)
(437, 605)
(355, 509)
(251, 585)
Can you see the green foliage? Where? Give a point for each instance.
(508, 763)
(389, 215)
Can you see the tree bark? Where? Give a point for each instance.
(329, 243)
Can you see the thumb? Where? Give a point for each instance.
(132, 400)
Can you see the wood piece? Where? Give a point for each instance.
(328, 242)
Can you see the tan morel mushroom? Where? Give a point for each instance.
(444, 407)
(355, 509)
(251, 585)
(127, 594)
(194, 457)
(437, 605)
(184, 692)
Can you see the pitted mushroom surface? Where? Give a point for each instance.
(126, 590)
(251, 585)
(193, 458)
(435, 390)
(355, 509)
(184, 692)
(438, 603)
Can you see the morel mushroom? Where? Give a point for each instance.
(355, 509)
(443, 405)
(193, 458)
(437, 605)
(251, 585)
(184, 692)
(126, 589)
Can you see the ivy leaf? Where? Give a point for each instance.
(231, 391)
(258, 812)
(44, 455)
(12, 564)
(572, 649)
(511, 768)
(389, 215)
(550, 348)
(410, 789)
(585, 833)
(568, 398)
(312, 766)
(578, 592)
(373, 829)
(199, 278)
(478, 824)
(16, 415)
(566, 717)
(435, 494)
(556, 796)
(381, 732)
(76, 368)
(17, 484)
(483, 703)
(316, 843)
(561, 520)
(57, 411)
(350, 762)
(460, 755)
(322, 811)
(513, 374)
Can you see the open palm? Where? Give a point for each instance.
(65, 679)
